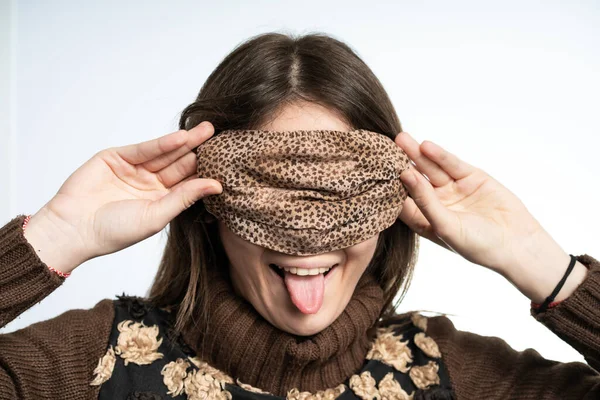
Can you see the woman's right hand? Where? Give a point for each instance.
(119, 197)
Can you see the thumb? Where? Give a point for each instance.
(165, 209)
(426, 199)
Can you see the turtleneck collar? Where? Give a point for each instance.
(241, 343)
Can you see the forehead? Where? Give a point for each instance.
(306, 116)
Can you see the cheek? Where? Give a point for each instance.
(248, 275)
(244, 257)
(362, 253)
(244, 278)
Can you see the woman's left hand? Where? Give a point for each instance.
(465, 210)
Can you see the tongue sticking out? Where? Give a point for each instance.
(306, 291)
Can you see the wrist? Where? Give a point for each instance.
(52, 243)
(538, 269)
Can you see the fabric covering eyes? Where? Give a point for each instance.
(304, 192)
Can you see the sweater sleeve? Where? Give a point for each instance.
(24, 278)
(52, 359)
(487, 367)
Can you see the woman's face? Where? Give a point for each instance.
(260, 284)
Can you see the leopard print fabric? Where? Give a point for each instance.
(304, 192)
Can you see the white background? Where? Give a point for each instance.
(509, 86)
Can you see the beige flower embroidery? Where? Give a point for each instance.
(419, 321)
(363, 386)
(105, 367)
(427, 344)
(327, 394)
(425, 375)
(138, 343)
(173, 375)
(250, 388)
(390, 349)
(390, 389)
(205, 368)
(201, 386)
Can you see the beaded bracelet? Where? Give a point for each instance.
(59, 273)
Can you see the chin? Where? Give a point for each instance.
(306, 325)
(292, 320)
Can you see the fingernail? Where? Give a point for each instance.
(409, 177)
(432, 143)
(210, 190)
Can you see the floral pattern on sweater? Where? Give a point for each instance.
(402, 364)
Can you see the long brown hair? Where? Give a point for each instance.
(247, 89)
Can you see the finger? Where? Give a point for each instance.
(145, 151)
(196, 136)
(179, 170)
(454, 166)
(414, 219)
(215, 182)
(141, 152)
(182, 182)
(163, 210)
(437, 176)
(425, 198)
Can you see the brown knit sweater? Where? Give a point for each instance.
(55, 359)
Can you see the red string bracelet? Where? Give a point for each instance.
(536, 305)
(59, 273)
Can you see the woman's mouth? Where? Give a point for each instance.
(306, 286)
(300, 271)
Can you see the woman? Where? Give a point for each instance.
(245, 313)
